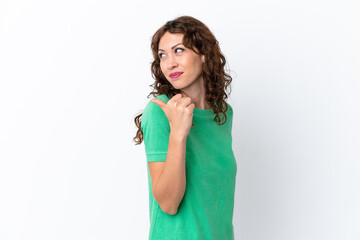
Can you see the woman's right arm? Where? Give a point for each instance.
(169, 177)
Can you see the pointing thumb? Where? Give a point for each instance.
(159, 102)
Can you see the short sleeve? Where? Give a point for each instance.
(156, 132)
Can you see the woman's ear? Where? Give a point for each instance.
(203, 58)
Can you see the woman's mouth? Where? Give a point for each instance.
(175, 75)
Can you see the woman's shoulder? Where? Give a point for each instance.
(153, 111)
(229, 107)
(163, 97)
(229, 112)
(153, 106)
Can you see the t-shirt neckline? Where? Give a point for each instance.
(203, 112)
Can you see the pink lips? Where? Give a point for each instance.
(175, 75)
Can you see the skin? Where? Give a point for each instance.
(169, 177)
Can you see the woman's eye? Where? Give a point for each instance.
(179, 49)
(160, 55)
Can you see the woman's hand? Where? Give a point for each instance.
(179, 111)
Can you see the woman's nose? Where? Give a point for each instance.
(171, 62)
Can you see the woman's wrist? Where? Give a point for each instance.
(180, 137)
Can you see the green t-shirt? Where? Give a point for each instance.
(206, 210)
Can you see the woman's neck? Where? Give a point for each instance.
(197, 99)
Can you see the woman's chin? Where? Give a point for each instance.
(177, 86)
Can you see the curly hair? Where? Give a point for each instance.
(216, 79)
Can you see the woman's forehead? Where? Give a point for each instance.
(168, 40)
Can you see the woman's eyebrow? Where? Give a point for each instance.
(171, 47)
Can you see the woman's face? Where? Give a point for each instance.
(181, 66)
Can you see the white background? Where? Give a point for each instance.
(74, 74)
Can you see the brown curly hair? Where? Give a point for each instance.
(216, 80)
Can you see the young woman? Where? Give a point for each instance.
(186, 130)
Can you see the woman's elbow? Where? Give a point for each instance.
(169, 210)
